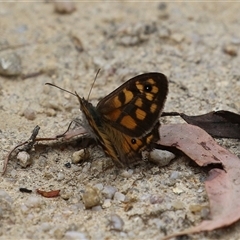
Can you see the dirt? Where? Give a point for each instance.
(196, 45)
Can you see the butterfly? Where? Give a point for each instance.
(126, 122)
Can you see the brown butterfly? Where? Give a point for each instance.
(126, 121)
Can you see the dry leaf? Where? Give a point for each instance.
(218, 124)
(222, 186)
(50, 194)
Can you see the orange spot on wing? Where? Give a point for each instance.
(116, 102)
(140, 114)
(128, 146)
(114, 115)
(151, 81)
(128, 95)
(153, 108)
(154, 89)
(149, 139)
(149, 96)
(139, 86)
(137, 144)
(128, 122)
(139, 102)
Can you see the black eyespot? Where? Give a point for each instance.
(148, 88)
(133, 141)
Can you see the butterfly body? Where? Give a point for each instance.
(126, 121)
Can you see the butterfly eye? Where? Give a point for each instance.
(148, 88)
(133, 141)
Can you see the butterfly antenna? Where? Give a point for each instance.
(93, 83)
(53, 85)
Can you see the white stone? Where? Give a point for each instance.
(160, 157)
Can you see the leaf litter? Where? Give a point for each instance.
(222, 185)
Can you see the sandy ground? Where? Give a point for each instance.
(196, 45)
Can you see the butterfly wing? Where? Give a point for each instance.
(135, 107)
(124, 149)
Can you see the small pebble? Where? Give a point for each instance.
(177, 190)
(163, 11)
(76, 207)
(91, 197)
(169, 182)
(10, 64)
(45, 226)
(64, 7)
(99, 165)
(108, 192)
(86, 167)
(155, 199)
(162, 6)
(235, 41)
(34, 202)
(96, 208)
(81, 155)
(129, 35)
(164, 33)
(99, 186)
(76, 198)
(178, 205)
(158, 222)
(174, 175)
(119, 197)
(75, 235)
(66, 214)
(60, 176)
(13, 173)
(116, 222)
(195, 208)
(67, 165)
(160, 157)
(24, 159)
(57, 232)
(107, 203)
(50, 112)
(65, 194)
(42, 161)
(24, 209)
(231, 50)
(177, 37)
(127, 174)
(5, 204)
(205, 213)
(29, 114)
(72, 227)
(48, 175)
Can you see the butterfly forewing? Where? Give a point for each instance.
(134, 107)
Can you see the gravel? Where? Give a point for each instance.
(196, 45)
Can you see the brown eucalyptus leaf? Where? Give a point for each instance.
(218, 124)
(222, 186)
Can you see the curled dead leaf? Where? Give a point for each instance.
(50, 194)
